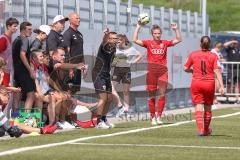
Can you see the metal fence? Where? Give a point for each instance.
(116, 15)
(121, 17)
(231, 80)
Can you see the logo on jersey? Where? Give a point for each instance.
(74, 36)
(160, 50)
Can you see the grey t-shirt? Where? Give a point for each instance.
(25, 44)
(20, 44)
(36, 44)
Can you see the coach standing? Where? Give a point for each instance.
(73, 40)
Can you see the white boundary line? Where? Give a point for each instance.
(157, 145)
(24, 149)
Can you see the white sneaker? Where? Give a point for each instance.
(158, 120)
(102, 125)
(68, 125)
(60, 125)
(65, 125)
(111, 125)
(154, 121)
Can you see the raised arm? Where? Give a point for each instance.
(135, 35)
(178, 38)
(226, 44)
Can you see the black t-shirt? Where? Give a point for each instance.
(20, 44)
(233, 54)
(74, 40)
(50, 66)
(58, 77)
(104, 60)
(54, 40)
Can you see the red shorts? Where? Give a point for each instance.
(202, 92)
(155, 80)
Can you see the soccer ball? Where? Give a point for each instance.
(143, 19)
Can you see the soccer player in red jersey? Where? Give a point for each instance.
(204, 66)
(157, 76)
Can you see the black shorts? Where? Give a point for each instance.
(25, 82)
(102, 83)
(122, 74)
(233, 75)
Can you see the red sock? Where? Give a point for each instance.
(199, 120)
(207, 120)
(161, 104)
(151, 105)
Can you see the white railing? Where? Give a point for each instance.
(231, 80)
(96, 14)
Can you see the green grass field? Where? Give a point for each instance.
(223, 15)
(165, 142)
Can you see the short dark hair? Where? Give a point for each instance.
(38, 31)
(55, 51)
(23, 25)
(11, 21)
(218, 43)
(154, 27)
(106, 37)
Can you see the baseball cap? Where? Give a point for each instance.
(59, 18)
(43, 28)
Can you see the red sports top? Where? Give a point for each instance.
(203, 64)
(157, 51)
(3, 43)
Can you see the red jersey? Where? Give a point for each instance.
(157, 51)
(203, 64)
(4, 43)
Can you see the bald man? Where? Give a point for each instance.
(73, 39)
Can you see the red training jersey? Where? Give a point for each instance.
(203, 64)
(3, 43)
(157, 51)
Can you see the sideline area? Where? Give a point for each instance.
(87, 138)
